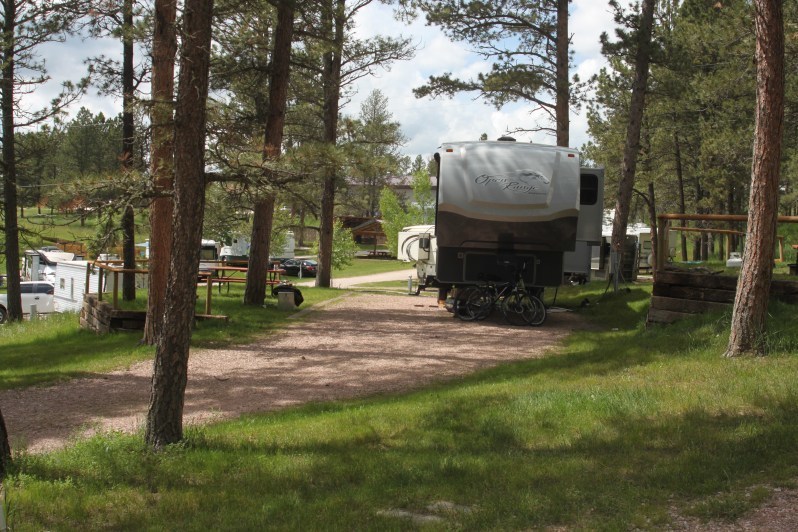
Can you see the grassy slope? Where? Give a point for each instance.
(612, 432)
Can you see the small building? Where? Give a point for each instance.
(365, 230)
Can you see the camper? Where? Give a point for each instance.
(417, 244)
(40, 264)
(209, 256)
(70, 284)
(238, 249)
(504, 209)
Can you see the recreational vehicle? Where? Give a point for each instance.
(504, 209)
(40, 264)
(70, 284)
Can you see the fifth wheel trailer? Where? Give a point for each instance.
(504, 208)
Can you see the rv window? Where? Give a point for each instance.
(588, 194)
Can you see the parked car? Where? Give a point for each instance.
(292, 267)
(39, 293)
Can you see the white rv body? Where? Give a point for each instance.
(577, 263)
(70, 284)
(503, 207)
(417, 243)
(40, 265)
(240, 245)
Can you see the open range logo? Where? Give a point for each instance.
(519, 181)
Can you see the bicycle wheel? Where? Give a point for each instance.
(461, 308)
(520, 308)
(513, 307)
(539, 315)
(479, 303)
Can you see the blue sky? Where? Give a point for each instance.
(425, 122)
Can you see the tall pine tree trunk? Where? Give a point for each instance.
(128, 132)
(164, 48)
(333, 19)
(11, 229)
(165, 416)
(632, 146)
(563, 90)
(255, 290)
(5, 450)
(753, 287)
(677, 147)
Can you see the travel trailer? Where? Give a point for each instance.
(40, 264)
(238, 248)
(70, 284)
(503, 209)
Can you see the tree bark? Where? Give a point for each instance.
(128, 132)
(632, 145)
(164, 48)
(165, 416)
(562, 82)
(7, 93)
(753, 287)
(5, 449)
(333, 19)
(680, 180)
(255, 290)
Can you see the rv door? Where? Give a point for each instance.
(424, 246)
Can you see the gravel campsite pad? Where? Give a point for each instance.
(353, 346)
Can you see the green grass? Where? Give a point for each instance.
(612, 432)
(55, 348)
(371, 266)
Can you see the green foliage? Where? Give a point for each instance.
(344, 246)
(396, 215)
(394, 218)
(699, 117)
(373, 144)
(518, 38)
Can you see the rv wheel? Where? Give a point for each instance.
(3, 315)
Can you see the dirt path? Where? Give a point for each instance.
(355, 346)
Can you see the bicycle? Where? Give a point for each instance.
(522, 308)
(518, 306)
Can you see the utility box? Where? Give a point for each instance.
(285, 301)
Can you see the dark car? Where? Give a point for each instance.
(292, 267)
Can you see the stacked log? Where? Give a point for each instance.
(681, 294)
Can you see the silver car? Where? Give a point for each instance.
(39, 293)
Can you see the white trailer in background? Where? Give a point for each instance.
(238, 248)
(40, 264)
(70, 284)
(504, 208)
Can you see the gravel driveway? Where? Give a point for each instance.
(356, 345)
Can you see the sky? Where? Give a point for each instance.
(427, 122)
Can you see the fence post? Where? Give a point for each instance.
(116, 290)
(208, 296)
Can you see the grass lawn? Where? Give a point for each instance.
(56, 348)
(366, 267)
(615, 431)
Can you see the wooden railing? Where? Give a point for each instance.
(664, 221)
(217, 276)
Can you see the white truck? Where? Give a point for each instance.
(505, 208)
